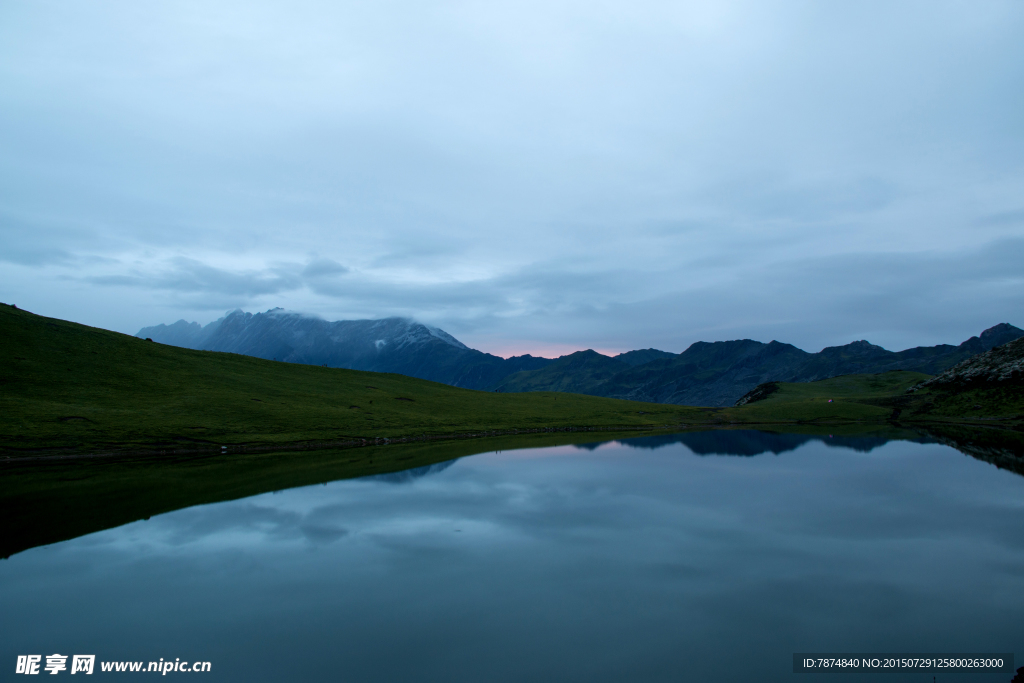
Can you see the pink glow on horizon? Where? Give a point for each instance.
(542, 349)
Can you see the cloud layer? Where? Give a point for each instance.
(527, 176)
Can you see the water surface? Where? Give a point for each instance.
(652, 559)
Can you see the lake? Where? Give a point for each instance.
(706, 556)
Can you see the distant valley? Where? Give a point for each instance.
(705, 374)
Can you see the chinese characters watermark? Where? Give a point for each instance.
(85, 664)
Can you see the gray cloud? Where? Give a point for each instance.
(1014, 218)
(38, 243)
(524, 173)
(35, 255)
(897, 300)
(323, 268)
(189, 275)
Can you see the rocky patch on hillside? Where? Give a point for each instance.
(758, 393)
(1002, 365)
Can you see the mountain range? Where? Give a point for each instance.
(705, 374)
(395, 345)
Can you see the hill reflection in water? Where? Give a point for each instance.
(750, 442)
(635, 561)
(1001, 447)
(48, 503)
(406, 476)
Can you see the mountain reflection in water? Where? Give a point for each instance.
(635, 561)
(406, 476)
(754, 442)
(1003, 448)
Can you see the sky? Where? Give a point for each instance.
(536, 177)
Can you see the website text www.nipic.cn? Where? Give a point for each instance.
(86, 664)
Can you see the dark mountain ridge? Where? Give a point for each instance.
(633, 358)
(705, 374)
(719, 373)
(708, 374)
(582, 372)
(1002, 365)
(394, 345)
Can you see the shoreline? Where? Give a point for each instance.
(48, 455)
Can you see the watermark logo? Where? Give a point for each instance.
(82, 664)
(85, 664)
(55, 663)
(28, 664)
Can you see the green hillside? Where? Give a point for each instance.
(879, 397)
(853, 397)
(69, 388)
(65, 386)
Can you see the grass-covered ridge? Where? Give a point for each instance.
(69, 387)
(880, 397)
(847, 397)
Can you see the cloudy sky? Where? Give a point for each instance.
(530, 176)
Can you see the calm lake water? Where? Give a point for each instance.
(654, 559)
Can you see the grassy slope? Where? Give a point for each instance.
(854, 397)
(883, 397)
(68, 386)
(991, 402)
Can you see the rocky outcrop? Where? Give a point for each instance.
(758, 393)
(999, 366)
